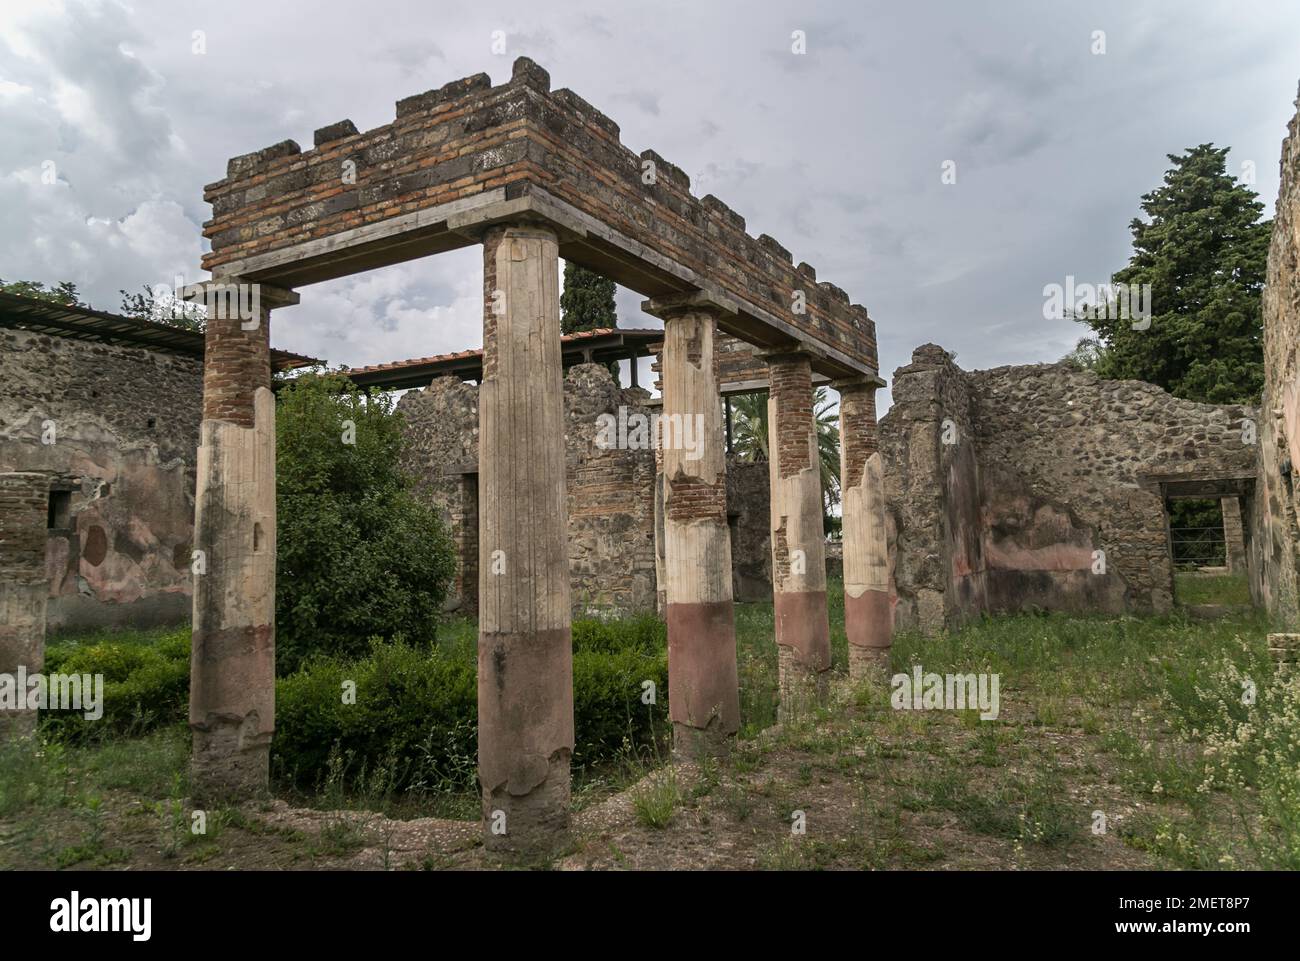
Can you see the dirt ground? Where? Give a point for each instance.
(856, 787)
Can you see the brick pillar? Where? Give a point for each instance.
(661, 567)
(868, 616)
(525, 652)
(798, 538)
(1234, 540)
(703, 681)
(232, 664)
(24, 588)
(464, 526)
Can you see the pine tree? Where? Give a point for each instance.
(1203, 250)
(587, 302)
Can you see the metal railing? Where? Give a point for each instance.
(1198, 546)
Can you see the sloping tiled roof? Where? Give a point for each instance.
(83, 323)
(606, 343)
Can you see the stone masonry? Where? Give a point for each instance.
(1273, 542)
(610, 494)
(532, 174)
(116, 429)
(1040, 487)
(23, 504)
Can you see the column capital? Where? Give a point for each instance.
(859, 380)
(524, 227)
(268, 295)
(784, 352)
(696, 301)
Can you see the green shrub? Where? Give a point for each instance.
(407, 699)
(359, 555)
(607, 702)
(414, 705)
(420, 708)
(643, 633)
(145, 685)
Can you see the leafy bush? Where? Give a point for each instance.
(643, 633)
(406, 697)
(359, 555)
(145, 685)
(415, 706)
(420, 708)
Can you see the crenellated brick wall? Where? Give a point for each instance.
(469, 151)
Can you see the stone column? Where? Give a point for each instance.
(661, 567)
(24, 589)
(868, 616)
(798, 538)
(703, 682)
(232, 663)
(1234, 541)
(525, 651)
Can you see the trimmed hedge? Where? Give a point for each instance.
(415, 708)
(146, 685)
(420, 711)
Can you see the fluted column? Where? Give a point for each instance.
(525, 651)
(703, 683)
(868, 615)
(232, 664)
(798, 535)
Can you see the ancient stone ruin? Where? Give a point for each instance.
(1272, 518)
(106, 409)
(1044, 487)
(612, 508)
(531, 175)
(1038, 487)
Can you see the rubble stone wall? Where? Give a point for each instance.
(1272, 534)
(116, 428)
(1039, 487)
(610, 492)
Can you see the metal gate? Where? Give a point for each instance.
(1198, 547)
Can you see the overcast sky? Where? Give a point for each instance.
(837, 153)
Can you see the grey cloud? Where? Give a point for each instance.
(835, 153)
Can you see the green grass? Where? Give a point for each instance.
(655, 801)
(1184, 719)
(1193, 588)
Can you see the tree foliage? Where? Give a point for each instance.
(749, 437)
(359, 554)
(64, 293)
(165, 309)
(1203, 250)
(587, 302)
